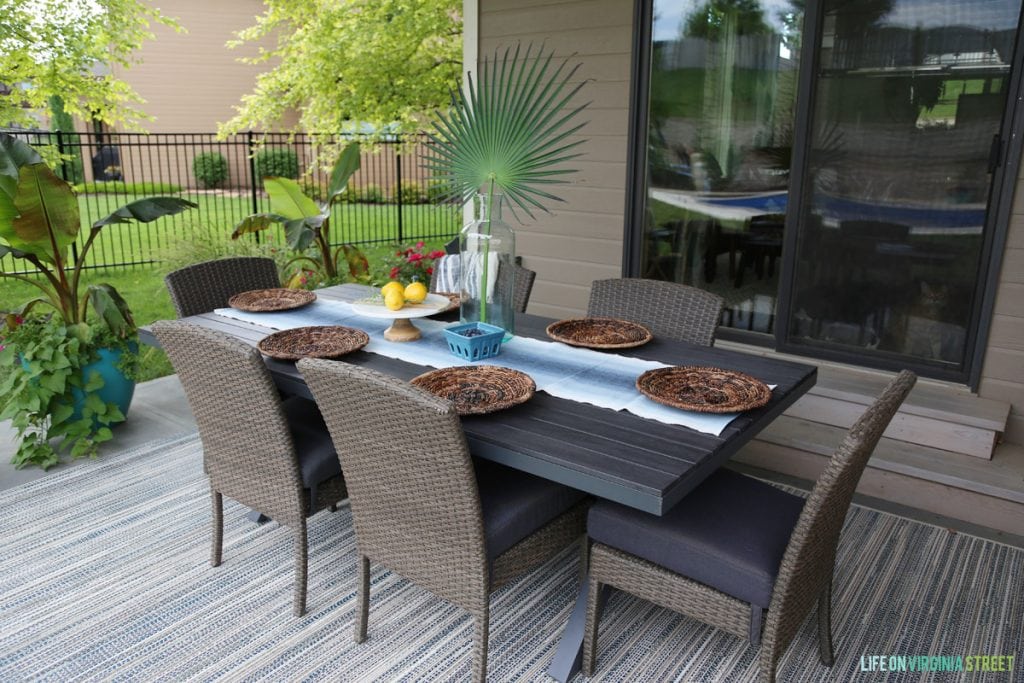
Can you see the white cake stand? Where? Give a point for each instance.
(402, 329)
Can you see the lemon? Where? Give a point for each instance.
(416, 292)
(393, 286)
(394, 299)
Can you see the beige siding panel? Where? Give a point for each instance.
(1010, 300)
(1013, 266)
(1005, 364)
(582, 240)
(1007, 332)
(1014, 429)
(1015, 239)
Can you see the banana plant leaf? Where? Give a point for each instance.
(347, 164)
(14, 253)
(46, 214)
(146, 210)
(112, 308)
(358, 265)
(301, 232)
(286, 199)
(255, 223)
(14, 154)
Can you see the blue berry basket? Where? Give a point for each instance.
(474, 348)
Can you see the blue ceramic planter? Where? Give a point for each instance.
(117, 388)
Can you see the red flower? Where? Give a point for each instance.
(394, 272)
(438, 253)
(419, 245)
(415, 257)
(430, 271)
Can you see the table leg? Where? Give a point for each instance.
(569, 655)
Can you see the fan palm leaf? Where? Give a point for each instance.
(508, 130)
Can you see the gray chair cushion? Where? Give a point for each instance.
(516, 504)
(318, 460)
(729, 533)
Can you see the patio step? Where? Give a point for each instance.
(979, 491)
(937, 415)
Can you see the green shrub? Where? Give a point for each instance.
(121, 187)
(201, 242)
(412, 193)
(370, 193)
(279, 162)
(210, 169)
(435, 192)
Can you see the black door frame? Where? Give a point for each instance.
(1003, 187)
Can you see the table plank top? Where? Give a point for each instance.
(611, 454)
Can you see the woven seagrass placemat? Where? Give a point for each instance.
(704, 389)
(313, 342)
(478, 389)
(269, 300)
(599, 333)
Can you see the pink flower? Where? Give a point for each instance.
(419, 245)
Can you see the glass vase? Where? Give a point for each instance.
(487, 248)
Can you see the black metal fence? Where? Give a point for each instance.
(390, 199)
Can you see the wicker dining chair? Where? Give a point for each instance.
(271, 455)
(668, 309)
(521, 282)
(423, 507)
(207, 286)
(736, 546)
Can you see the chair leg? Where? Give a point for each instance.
(480, 626)
(301, 568)
(594, 605)
(825, 651)
(334, 507)
(756, 618)
(362, 598)
(218, 528)
(584, 557)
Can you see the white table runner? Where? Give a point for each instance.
(606, 380)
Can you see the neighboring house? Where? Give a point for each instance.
(845, 183)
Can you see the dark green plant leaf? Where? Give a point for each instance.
(146, 210)
(112, 308)
(11, 251)
(255, 223)
(14, 154)
(507, 131)
(46, 213)
(348, 163)
(300, 233)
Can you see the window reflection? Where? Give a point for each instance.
(720, 135)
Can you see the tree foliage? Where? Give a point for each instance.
(59, 48)
(336, 62)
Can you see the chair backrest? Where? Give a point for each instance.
(668, 309)
(809, 558)
(522, 282)
(410, 479)
(207, 286)
(247, 447)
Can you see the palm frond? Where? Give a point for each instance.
(508, 129)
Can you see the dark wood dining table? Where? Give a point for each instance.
(614, 455)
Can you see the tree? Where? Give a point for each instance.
(337, 62)
(59, 48)
(709, 19)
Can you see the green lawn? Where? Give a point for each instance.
(218, 213)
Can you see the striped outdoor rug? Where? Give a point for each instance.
(104, 575)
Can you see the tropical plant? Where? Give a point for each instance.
(39, 221)
(508, 132)
(307, 223)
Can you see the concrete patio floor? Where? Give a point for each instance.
(160, 410)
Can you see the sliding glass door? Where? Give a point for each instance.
(906, 115)
(880, 257)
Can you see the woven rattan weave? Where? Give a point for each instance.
(204, 287)
(270, 300)
(478, 389)
(313, 342)
(599, 333)
(453, 297)
(704, 390)
(668, 309)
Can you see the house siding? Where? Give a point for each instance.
(1002, 375)
(581, 239)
